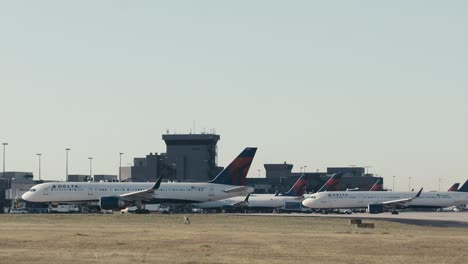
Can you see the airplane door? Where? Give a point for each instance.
(46, 191)
(211, 192)
(90, 190)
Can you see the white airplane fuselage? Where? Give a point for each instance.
(363, 199)
(255, 200)
(92, 191)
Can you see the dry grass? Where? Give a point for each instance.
(221, 239)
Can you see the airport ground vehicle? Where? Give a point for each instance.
(344, 211)
(63, 208)
(149, 208)
(18, 211)
(293, 207)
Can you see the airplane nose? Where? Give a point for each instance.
(26, 196)
(306, 202)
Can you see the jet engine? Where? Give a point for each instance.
(112, 203)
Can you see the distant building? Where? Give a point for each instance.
(277, 173)
(279, 177)
(347, 171)
(13, 185)
(78, 178)
(103, 177)
(17, 175)
(193, 156)
(188, 157)
(148, 169)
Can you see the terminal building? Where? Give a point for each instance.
(188, 157)
(12, 185)
(279, 178)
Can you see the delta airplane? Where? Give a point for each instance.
(329, 200)
(260, 200)
(118, 195)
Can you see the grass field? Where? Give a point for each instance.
(221, 239)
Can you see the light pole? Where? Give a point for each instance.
(366, 169)
(409, 184)
(4, 153)
(393, 188)
(120, 166)
(90, 167)
(39, 156)
(66, 163)
(300, 169)
(305, 167)
(440, 180)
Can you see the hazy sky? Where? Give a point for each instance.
(329, 83)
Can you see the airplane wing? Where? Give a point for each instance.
(237, 189)
(144, 195)
(401, 202)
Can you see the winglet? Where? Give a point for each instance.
(157, 184)
(419, 193)
(247, 198)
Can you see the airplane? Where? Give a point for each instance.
(331, 200)
(259, 201)
(118, 195)
(454, 187)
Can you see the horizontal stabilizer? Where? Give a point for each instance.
(238, 189)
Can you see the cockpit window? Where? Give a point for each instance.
(33, 190)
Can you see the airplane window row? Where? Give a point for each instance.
(70, 190)
(181, 190)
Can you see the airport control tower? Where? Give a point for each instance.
(193, 156)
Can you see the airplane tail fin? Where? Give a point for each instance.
(464, 188)
(377, 186)
(236, 172)
(298, 188)
(332, 183)
(454, 187)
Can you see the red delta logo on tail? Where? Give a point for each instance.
(454, 187)
(239, 169)
(377, 186)
(299, 188)
(236, 172)
(332, 183)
